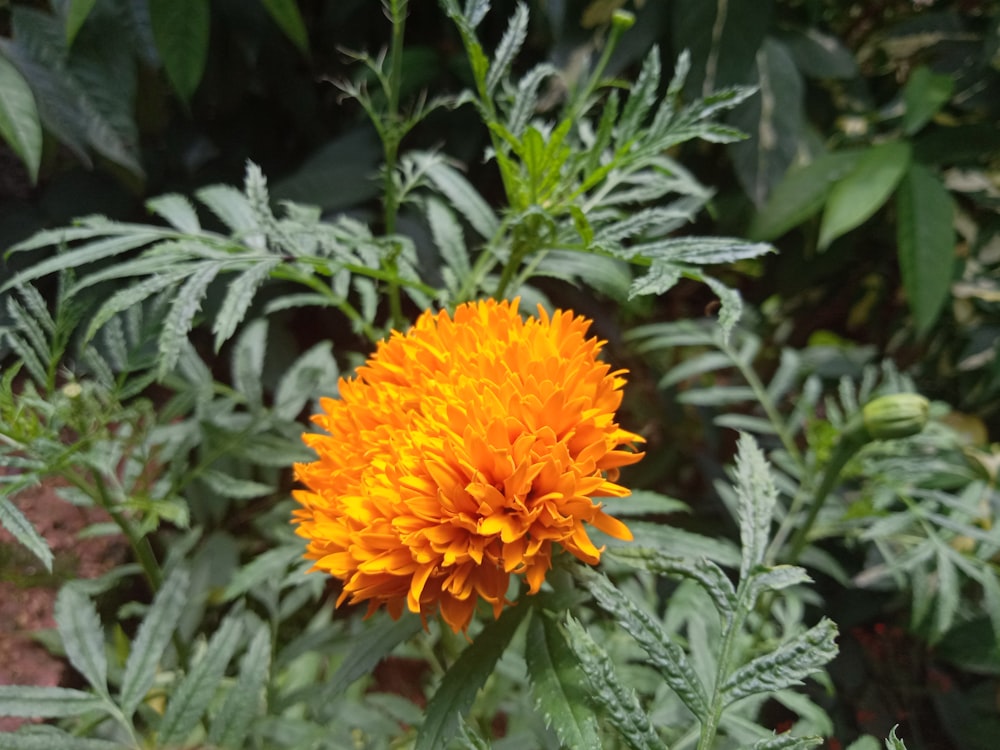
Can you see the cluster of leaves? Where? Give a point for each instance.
(74, 71)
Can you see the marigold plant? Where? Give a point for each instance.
(459, 454)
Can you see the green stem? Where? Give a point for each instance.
(140, 545)
(762, 396)
(851, 440)
(390, 145)
(710, 726)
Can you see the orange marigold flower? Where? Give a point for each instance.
(462, 451)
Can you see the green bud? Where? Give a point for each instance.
(622, 20)
(897, 416)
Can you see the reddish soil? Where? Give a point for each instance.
(28, 590)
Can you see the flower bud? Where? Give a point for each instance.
(896, 416)
(622, 20)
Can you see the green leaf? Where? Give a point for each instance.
(619, 702)
(558, 684)
(181, 31)
(643, 503)
(191, 697)
(268, 566)
(20, 125)
(819, 55)
(15, 522)
(311, 376)
(76, 12)
(239, 297)
(773, 120)
(925, 235)
(231, 206)
(801, 194)
(665, 655)
(180, 318)
(757, 496)
(177, 210)
(704, 572)
(458, 688)
(793, 661)
(248, 362)
(243, 703)
(723, 38)
(43, 737)
(893, 742)
(463, 197)
(75, 257)
(131, 296)
(82, 635)
(787, 742)
(29, 701)
(448, 237)
(510, 45)
(286, 14)
(152, 640)
(225, 485)
(924, 95)
(861, 193)
(368, 649)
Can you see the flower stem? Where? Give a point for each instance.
(851, 440)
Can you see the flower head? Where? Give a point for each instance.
(459, 455)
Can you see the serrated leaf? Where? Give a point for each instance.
(243, 703)
(717, 395)
(448, 237)
(619, 703)
(704, 572)
(893, 742)
(864, 191)
(925, 236)
(660, 278)
(231, 206)
(188, 702)
(239, 297)
(510, 45)
(730, 303)
(458, 687)
(229, 486)
(152, 640)
(757, 496)
(248, 362)
(181, 31)
(267, 566)
(43, 737)
(643, 503)
(642, 96)
(697, 365)
(30, 701)
(558, 685)
(746, 423)
(665, 655)
(368, 649)
(131, 296)
(787, 742)
(286, 14)
(82, 635)
(80, 256)
(788, 665)
(311, 376)
(17, 524)
(20, 125)
(177, 210)
(180, 319)
(774, 579)
(464, 198)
